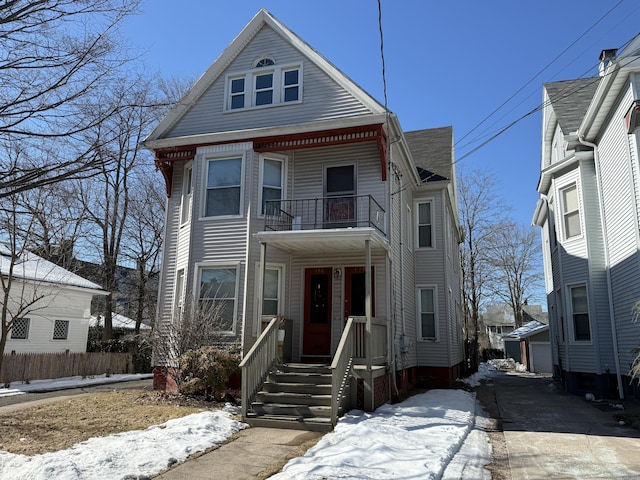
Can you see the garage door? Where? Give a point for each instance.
(540, 357)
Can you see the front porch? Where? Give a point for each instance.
(313, 397)
(342, 336)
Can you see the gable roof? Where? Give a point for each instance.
(527, 330)
(261, 19)
(30, 267)
(570, 100)
(432, 152)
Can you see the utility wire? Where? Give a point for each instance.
(504, 129)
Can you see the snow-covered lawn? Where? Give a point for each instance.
(437, 434)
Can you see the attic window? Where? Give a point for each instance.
(265, 85)
(264, 62)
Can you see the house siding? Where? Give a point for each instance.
(323, 98)
(55, 304)
(617, 168)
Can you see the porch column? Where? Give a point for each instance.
(369, 394)
(367, 300)
(263, 254)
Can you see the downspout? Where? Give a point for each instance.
(596, 158)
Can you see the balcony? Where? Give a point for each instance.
(351, 211)
(325, 223)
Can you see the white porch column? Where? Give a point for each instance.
(263, 254)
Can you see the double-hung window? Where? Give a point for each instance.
(224, 187)
(580, 313)
(272, 182)
(217, 298)
(20, 329)
(424, 225)
(237, 93)
(263, 89)
(571, 211)
(427, 312)
(187, 194)
(266, 84)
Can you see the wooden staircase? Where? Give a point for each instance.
(295, 396)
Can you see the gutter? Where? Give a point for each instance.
(605, 240)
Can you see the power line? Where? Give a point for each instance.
(511, 124)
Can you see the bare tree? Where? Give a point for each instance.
(143, 234)
(20, 291)
(58, 56)
(514, 252)
(480, 212)
(108, 195)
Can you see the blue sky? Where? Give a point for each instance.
(447, 62)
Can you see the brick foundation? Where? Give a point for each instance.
(438, 377)
(162, 380)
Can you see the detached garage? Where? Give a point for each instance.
(535, 347)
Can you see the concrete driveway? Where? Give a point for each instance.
(554, 435)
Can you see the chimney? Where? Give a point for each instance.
(607, 57)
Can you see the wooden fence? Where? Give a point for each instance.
(41, 366)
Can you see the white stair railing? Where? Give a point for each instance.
(257, 364)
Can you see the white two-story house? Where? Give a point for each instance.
(293, 192)
(588, 213)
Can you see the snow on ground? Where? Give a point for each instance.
(437, 434)
(136, 453)
(431, 435)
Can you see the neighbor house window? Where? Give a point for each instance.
(218, 296)
(271, 293)
(580, 312)
(61, 330)
(223, 187)
(187, 194)
(570, 211)
(427, 312)
(272, 181)
(20, 329)
(266, 84)
(424, 225)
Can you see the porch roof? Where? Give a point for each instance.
(324, 240)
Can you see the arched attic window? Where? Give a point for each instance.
(264, 62)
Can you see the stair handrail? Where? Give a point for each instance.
(257, 363)
(341, 372)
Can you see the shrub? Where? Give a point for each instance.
(207, 370)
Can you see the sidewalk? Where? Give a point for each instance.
(254, 453)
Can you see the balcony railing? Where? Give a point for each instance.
(349, 211)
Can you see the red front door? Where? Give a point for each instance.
(316, 344)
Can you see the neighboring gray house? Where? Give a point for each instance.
(588, 213)
(293, 192)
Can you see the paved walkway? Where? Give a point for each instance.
(254, 453)
(550, 434)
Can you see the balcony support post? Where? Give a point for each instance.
(368, 377)
(263, 255)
